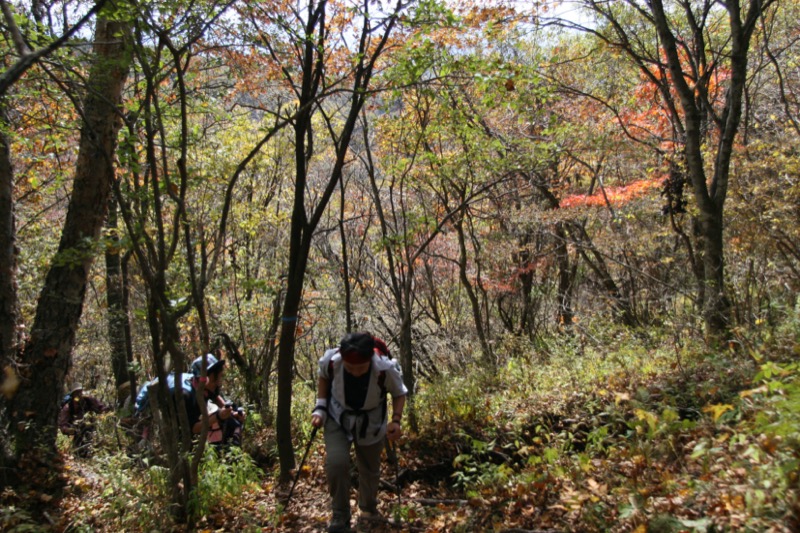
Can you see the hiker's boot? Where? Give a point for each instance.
(339, 524)
(370, 521)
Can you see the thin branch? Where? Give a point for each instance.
(28, 59)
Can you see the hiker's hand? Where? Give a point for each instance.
(394, 431)
(319, 413)
(224, 413)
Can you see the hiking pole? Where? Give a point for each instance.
(396, 461)
(300, 468)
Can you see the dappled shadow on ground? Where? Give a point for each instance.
(633, 452)
(425, 501)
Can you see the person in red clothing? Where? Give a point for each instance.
(73, 419)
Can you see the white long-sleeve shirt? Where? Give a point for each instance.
(368, 424)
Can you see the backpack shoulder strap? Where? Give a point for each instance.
(330, 380)
(382, 382)
(382, 385)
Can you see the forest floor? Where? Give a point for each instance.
(426, 501)
(686, 446)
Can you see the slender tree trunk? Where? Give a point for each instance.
(117, 312)
(127, 323)
(268, 356)
(304, 224)
(8, 290)
(406, 346)
(8, 256)
(477, 315)
(48, 352)
(283, 422)
(566, 280)
(345, 264)
(299, 241)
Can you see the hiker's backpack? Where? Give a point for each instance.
(142, 402)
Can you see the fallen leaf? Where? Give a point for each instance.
(751, 392)
(717, 410)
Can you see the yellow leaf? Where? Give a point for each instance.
(597, 488)
(621, 397)
(760, 390)
(648, 417)
(717, 410)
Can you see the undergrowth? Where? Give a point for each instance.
(631, 433)
(613, 431)
(128, 486)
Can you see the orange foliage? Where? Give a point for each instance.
(654, 116)
(616, 195)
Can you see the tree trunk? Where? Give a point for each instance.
(711, 197)
(8, 256)
(477, 315)
(702, 107)
(348, 296)
(716, 305)
(304, 223)
(566, 280)
(48, 352)
(8, 287)
(406, 346)
(283, 421)
(117, 312)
